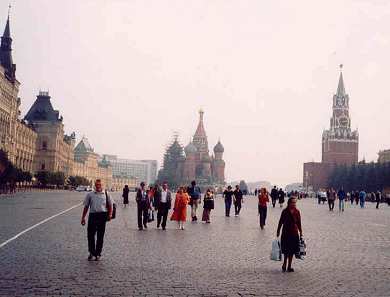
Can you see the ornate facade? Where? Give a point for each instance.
(198, 164)
(17, 138)
(339, 144)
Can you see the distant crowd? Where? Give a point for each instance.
(358, 197)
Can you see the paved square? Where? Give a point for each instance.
(348, 253)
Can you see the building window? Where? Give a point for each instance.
(44, 145)
(43, 166)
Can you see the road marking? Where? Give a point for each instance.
(36, 225)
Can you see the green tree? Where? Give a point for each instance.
(173, 154)
(43, 178)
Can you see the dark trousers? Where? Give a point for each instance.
(237, 207)
(162, 213)
(228, 205)
(331, 204)
(96, 225)
(142, 216)
(263, 215)
(273, 202)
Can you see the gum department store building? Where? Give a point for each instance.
(38, 141)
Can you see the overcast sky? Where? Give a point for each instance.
(127, 74)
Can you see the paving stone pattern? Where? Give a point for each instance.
(348, 253)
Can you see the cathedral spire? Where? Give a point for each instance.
(340, 87)
(200, 138)
(200, 131)
(6, 51)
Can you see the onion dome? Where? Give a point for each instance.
(218, 148)
(190, 149)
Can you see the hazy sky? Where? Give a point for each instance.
(127, 74)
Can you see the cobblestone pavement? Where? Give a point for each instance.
(348, 253)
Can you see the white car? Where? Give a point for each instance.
(82, 188)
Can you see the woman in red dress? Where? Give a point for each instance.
(290, 219)
(180, 208)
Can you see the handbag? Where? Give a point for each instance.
(302, 249)
(113, 215)
(276, 251)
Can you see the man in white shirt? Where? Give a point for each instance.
(163, 203)
(99, 204)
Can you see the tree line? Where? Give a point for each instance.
(11, 177)
(370, 177)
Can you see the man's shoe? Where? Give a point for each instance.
(97, 258)
(90, 257)
(290, 270)
(163, 228)
(158, 226)
(140, 228)
(146, 227)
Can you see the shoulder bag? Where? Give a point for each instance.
(113, 208)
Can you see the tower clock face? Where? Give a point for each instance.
(340, 101)
(343, 122)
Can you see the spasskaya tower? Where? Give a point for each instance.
(340, 144)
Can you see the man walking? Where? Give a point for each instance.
(143, 206)
(274, 196)
(341, 195)
(378, 198)
(99, 204)
(195, 194)
(228, 195)
(238, 200)
(331, 198)
(362, 198)
(163, 202)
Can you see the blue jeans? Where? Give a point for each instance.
(228, 205)
(362, 201)
(341, 204)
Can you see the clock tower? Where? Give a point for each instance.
(339, 143)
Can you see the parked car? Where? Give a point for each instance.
(82, 188)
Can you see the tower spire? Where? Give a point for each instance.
(6, 49)
(341, 87)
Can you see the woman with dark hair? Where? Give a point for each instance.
(208, 205)
(290, 219)
(262, 207)
(125, 195)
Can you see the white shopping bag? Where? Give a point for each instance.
(302, 249)
(276, 252)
